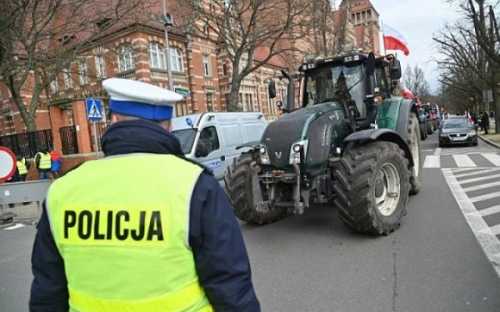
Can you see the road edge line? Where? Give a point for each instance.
(487, 240)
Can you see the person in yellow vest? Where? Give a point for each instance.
(22, 167)
(43, 164)
(143, 229)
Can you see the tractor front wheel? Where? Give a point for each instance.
(245, 193)
(371, 187)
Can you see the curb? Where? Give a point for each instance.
(490, 142)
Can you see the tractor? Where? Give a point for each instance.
(351, 144)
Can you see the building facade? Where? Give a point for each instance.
(137, 51)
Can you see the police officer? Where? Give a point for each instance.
(22, 168)
(142, 229)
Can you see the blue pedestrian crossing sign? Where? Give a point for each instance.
(94, 109)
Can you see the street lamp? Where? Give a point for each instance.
(167, 23)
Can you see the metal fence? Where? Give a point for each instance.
(69, 140)
(29, 143)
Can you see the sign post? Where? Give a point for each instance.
(94, 114)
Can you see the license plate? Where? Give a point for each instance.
(458, 138)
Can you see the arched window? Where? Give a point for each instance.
(176, 61)
(157, 57)
(125, 59)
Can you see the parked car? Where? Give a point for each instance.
(212, 139)
(457, 130)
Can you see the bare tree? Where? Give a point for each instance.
(414, 80)
(43, 38)
(243, 27)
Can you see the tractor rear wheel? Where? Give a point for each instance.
(245, 193)
(371, 187)
(414, 143)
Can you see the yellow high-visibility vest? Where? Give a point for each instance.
(45, 161)
(21, 167)
(123, 234)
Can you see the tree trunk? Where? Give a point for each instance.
(28, 119)
(496, 98)
(234, 95)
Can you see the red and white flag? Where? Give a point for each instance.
(394, 40)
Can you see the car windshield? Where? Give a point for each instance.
(186, 138)
(327, 83)
(455, 123)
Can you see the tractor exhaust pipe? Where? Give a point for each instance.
(290, 99)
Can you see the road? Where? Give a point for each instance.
(442, 258)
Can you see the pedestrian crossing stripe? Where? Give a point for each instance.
(462, 161)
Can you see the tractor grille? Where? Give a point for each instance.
(279, 137)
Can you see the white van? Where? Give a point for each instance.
(212, 138)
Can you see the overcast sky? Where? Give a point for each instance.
(418, 20)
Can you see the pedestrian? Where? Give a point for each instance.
(22, 168)
(485, 122)
(56, 163)
(143, 229)
(43, 164)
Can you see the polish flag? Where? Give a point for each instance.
(394, 40)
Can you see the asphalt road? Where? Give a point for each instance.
(313, 263)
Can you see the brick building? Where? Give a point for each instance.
(136, 51)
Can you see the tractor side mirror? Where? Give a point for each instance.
(272, 89)
(396, 72)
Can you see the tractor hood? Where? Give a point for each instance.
(314, 123)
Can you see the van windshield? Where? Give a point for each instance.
(186, 138)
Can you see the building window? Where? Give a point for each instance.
(181, 109)
(176, 62)
(207, 68)
(83, 72)
(54, 86)
(224, 69)
(68, 81)
(100, 67)
(126, 59)
(210, 102)
(157, 58)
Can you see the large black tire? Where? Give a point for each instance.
(356, 177)
(415, 145)
(240, 181)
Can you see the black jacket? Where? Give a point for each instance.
(214, 234)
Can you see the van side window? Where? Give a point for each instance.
(210, 138)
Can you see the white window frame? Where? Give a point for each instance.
(83, 72)
(54, 85)
(157, 57)
(176, 59)
(68, 80)
(207, 67)
(100, 66)
(126, 59)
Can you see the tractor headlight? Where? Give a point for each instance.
(264, 156)
(298, 152)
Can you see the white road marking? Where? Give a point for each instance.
(485, 197)
(437, 152)
(480, 178)
(495, 229)
(493, 158)
(481, 186)
(490, 211)
(463, 161)
(432, 161)
(470, 173)
(484, 234)
(15, 226)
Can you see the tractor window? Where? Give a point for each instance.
(328, 84)
(381, 79)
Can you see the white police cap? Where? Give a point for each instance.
(139, 99)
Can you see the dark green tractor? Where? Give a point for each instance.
(351, 145)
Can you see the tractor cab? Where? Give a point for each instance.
(358, 81)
